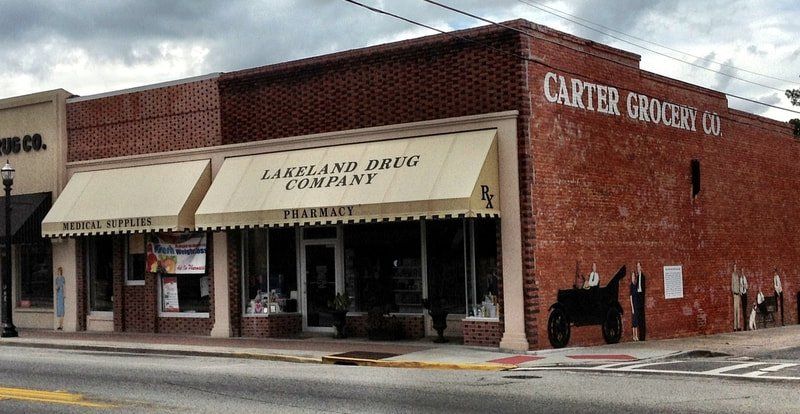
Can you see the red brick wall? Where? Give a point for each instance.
(141, 306)
(612, 190)
(482, 333)
(80, 277)
(235, 281)
(274, 326)
(413, 325)
(155, 120)
(423, 79)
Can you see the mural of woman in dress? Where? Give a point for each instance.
(60, 297)
(635, 298)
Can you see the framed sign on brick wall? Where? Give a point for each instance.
(673, 282)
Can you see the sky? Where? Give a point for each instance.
(90, 47)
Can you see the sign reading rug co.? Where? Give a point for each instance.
(595, 97)
(176, 253)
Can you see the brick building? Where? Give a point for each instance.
(516, 162)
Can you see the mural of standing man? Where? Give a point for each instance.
(640, 291)
(743, 294)
(776, 281)
(737, 300)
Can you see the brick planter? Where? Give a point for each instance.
(275, 325)
(482, 332)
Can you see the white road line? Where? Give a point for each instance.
(615, 365)
(777, 367)
(732, 367)
(648, 364)
(657, 371)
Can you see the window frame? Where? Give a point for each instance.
(162, 314)
(126, 263)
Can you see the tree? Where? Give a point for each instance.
(794, 98)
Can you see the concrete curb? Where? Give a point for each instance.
(270, 357)
(175, 352)
(335, 360)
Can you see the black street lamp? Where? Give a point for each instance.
(9, 330)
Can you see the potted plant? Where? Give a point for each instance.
(339, 307)
(438, 315)
(383, 327)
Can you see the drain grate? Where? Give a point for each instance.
(522, 377)
(365, 355)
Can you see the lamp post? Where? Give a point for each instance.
(9, 330)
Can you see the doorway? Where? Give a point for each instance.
(321, 278)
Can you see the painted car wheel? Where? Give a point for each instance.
(612, 326)
(558, 328)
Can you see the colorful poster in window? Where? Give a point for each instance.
(169, 294)
(176, 253)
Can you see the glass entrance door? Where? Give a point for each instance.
(320, 282)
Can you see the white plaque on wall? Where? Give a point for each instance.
(673, 282)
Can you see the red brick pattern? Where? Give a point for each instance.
(429, 78)
(613, 190)
(235, 281)
(482, 333)
(155, 120)
(118, 282)
(80, 277)
(285, 325)
(413, 326)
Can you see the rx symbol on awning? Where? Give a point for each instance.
(485, 196)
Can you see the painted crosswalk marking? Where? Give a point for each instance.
(759, 370)
(732, 368)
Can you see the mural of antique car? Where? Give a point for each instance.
(584, 307)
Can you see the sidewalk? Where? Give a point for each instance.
(407, 354)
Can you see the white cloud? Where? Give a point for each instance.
(89, 47)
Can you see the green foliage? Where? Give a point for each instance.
(796, 123)
(794, 96)
(341, 302)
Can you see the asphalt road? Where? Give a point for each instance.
(103, 382)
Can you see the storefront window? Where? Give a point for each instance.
(462, 265)
(269, 271)
(100, 274)
(180, 259)
(36, 280)
(135, 260)
(185, 293)
(484, 280)
(446, 264)
(383, 266)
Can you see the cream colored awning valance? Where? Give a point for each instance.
(159, 198)
(452, 175)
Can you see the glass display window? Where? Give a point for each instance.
(269, 271)
(184, 293)
(462, 265)
(382, 265)
(134, 259)
(100, 272)
(35, 275)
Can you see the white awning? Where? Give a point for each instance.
(450, 175)
(159, 198)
